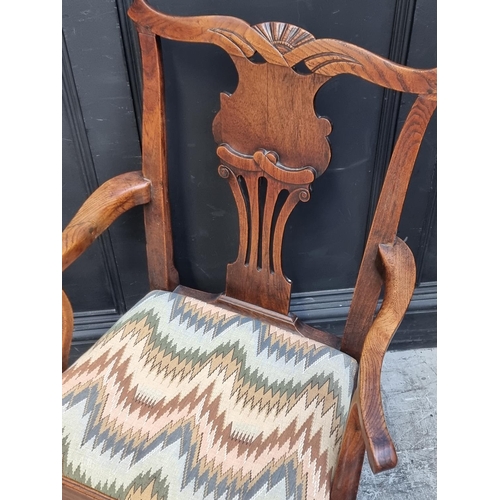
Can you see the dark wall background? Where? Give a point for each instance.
(325, 237)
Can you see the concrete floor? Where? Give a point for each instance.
(409, 396)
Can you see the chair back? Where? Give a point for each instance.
(272, 146)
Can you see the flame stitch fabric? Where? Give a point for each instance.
(181, 399)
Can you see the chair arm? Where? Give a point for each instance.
(103, 207)
(399, 276)
(67, 329)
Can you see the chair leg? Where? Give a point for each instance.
(350, 462)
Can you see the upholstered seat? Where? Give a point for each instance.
(182, 399)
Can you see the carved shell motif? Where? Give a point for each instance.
(284, 37)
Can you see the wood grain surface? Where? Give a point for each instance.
(104, 206)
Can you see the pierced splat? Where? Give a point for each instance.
(259, 182)
(272, 146)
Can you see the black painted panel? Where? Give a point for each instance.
(93, 37)
(204, 215)
(429, 267)
(83, 294)
(324, 241)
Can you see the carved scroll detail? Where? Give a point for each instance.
(258, 182)
(236, 39)
(316, 62)
(268, 162)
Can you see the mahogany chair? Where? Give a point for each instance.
(197, 395)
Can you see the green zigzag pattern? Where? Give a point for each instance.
(248, 376)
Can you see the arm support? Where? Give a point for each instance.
(399, 271)
(67, 329)
(103, 207)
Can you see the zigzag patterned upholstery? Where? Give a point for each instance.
(234, 408)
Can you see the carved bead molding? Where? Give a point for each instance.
(286, 45)
(265, 192)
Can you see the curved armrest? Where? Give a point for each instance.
(103, 207)
(67, 329)
(399, 270)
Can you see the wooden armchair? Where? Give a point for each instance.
(197, 395)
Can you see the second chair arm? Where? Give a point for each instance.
(399, 277)
(103, 207)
